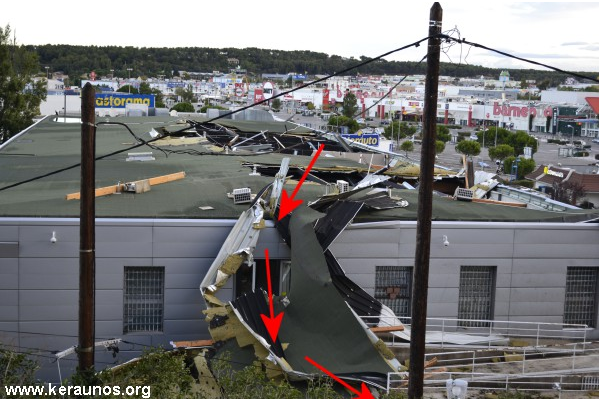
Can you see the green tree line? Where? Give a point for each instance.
(153, 61)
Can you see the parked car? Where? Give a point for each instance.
(595, 140)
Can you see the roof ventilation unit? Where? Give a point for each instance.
(242, 195)
(463, 194)
(343, 186)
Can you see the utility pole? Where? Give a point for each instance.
(87, 226)
(425, 207)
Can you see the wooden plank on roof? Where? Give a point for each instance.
(117, 188)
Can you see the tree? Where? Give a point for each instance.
(525, 166)
(403, 128)
(20, 94)
(183, 107)
(185, 94)
(144, 88)
(350, 105)
(468, 147)
(127, 89)
(443, 133)
(501, 152)
(568, 192)
(439, 147)
(340, 120)
(275, 104)
(407, 146)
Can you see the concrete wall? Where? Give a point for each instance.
(39, 279)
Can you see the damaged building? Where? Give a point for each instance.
(186, 211)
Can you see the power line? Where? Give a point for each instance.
(575, 74)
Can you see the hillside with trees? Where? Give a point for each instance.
(76, 61)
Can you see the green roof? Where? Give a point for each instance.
(50, 146)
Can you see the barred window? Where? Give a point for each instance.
(475, 300)
(580, 306)
(393, 288)
(143, 302)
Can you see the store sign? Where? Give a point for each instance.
(121, 101)
(363, 138)
(507, 110)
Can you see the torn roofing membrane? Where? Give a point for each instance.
(321, 309)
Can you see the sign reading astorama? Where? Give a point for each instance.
(121, 100)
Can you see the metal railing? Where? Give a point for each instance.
(446, 332)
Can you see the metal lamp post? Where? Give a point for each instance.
(572, 136)
(129, 80)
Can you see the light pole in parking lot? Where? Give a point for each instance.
(572, 137)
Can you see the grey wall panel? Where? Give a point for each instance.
(191, 311)
(109, 304)
(503, 294)
(556, 251)
(49, 274)
(360, 236)
(561, 235)
(9, 249)
(443, 295)
(9, 233)
(9, 273)
(438, 280)
(45, 305)
(521, 296)
(45, 249)
(362, 265)
(184, 297)
(176, 280)
(442, 309)
(199, 234)
(106, 329)
(43, 232)
(9, 305)
(370, 251)
(541, 281)
(200, 249)
(124, 249)
(124, 234)
(536, 310)
(501, 310)
(45, 328)
(185, 327)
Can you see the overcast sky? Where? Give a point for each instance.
(560, 34)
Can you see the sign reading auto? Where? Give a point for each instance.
(121, 101)
(371, 139)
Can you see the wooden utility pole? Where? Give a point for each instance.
(425, 207)
(87, 227)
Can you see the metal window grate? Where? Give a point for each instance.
(590, 383)
(393, 288)
(581, 296)
(475, 300)
(143, 302)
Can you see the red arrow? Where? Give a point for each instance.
(365, 394)
(272, 323)
(288, 204)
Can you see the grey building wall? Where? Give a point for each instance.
(39, 279)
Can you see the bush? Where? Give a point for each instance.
(183, 107)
